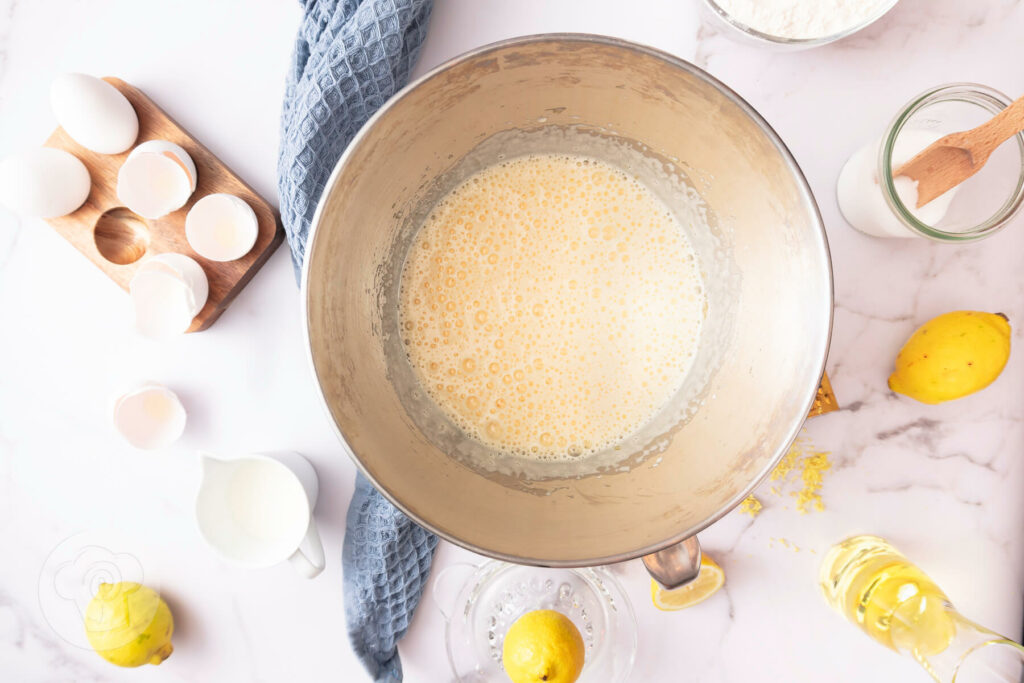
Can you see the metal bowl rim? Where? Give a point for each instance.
(679, 63)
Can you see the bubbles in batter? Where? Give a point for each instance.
(550, 305)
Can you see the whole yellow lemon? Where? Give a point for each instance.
(953, 355)
(543, 646)
(129, 624)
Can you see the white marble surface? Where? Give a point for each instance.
(945, 483)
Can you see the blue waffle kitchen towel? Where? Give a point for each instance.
(350, 57)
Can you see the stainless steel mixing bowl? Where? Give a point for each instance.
(747, 211)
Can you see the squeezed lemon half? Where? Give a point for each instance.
(707, 583)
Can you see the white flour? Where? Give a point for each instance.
(802, 18)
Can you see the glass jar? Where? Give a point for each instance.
(893, 601)
(876, 203)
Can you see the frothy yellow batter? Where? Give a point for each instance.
(550, 305)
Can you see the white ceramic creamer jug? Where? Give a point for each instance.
(257, 510)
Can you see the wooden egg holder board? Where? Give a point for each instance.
(117, 240)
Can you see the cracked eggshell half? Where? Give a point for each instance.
(94, 113)
(167, 292)
(157, 178)
(221, 227)
(186, 268)
(150, 416)
(43, 182)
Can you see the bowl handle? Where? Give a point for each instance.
(676, 565)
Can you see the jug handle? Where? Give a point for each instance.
(675, 565)
(308, 559)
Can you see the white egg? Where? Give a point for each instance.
(221, 227)
(43, 182)
(157, 178)
(94, 113)
(150, 416)
(168, 291)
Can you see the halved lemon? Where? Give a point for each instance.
(706, 584)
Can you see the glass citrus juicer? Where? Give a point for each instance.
(869, 582)
(480, 603)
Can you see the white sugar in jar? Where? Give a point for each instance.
(876, 203)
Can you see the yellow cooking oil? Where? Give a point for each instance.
(873, 585)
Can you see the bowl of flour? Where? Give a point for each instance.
(797, 24)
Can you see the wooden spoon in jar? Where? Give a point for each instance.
(950, 160)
